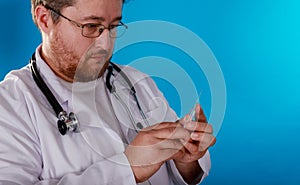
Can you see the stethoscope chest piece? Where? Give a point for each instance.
(67, 123)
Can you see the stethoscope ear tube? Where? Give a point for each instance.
(124, 76)
(137, 125)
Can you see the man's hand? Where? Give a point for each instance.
(153, 146)
(159, 143)
(201, 139)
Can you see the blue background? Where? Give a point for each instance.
(257, 46)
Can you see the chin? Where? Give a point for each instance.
(92, 74)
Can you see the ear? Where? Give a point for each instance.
(43, 18)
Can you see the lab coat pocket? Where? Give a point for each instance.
(157, 111)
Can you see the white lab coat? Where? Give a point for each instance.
(32, 151)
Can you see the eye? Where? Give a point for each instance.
(91, 28)
(113, 26)
(91, 25)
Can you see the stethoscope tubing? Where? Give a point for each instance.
(44, 88)
(65, 123)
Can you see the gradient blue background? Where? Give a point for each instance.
(257, 45)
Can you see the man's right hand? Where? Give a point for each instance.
(153, 146)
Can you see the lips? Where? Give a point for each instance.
(99, 58)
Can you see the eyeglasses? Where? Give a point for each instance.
(91, 30)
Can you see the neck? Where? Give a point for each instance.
(50, 61)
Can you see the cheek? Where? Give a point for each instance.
(73, 40)
(112, 45)
(77, 45)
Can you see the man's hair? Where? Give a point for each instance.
(57, 5)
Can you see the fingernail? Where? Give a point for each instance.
(194, 135)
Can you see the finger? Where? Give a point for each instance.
(199, 127)
(162, 125)
(171, 133)
(183, 120)
(205, 145)
(167, 144)
(192, 147)
(205, 140)
(164, 149)
(200, 116)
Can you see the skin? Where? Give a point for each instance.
(73, 57)
(159, 143)
(60, 49)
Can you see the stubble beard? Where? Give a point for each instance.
(83, 68)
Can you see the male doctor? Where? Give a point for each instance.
(122, 139)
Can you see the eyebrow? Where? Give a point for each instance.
(100, 19)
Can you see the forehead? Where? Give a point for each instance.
(107, 10)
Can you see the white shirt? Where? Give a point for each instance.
(32, 151)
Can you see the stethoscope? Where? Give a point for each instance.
(68, 123)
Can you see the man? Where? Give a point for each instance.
(77, 44)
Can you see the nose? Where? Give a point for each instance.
(104, 41)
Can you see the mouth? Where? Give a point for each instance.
(99, 58)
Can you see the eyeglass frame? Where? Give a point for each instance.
(100, 29)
